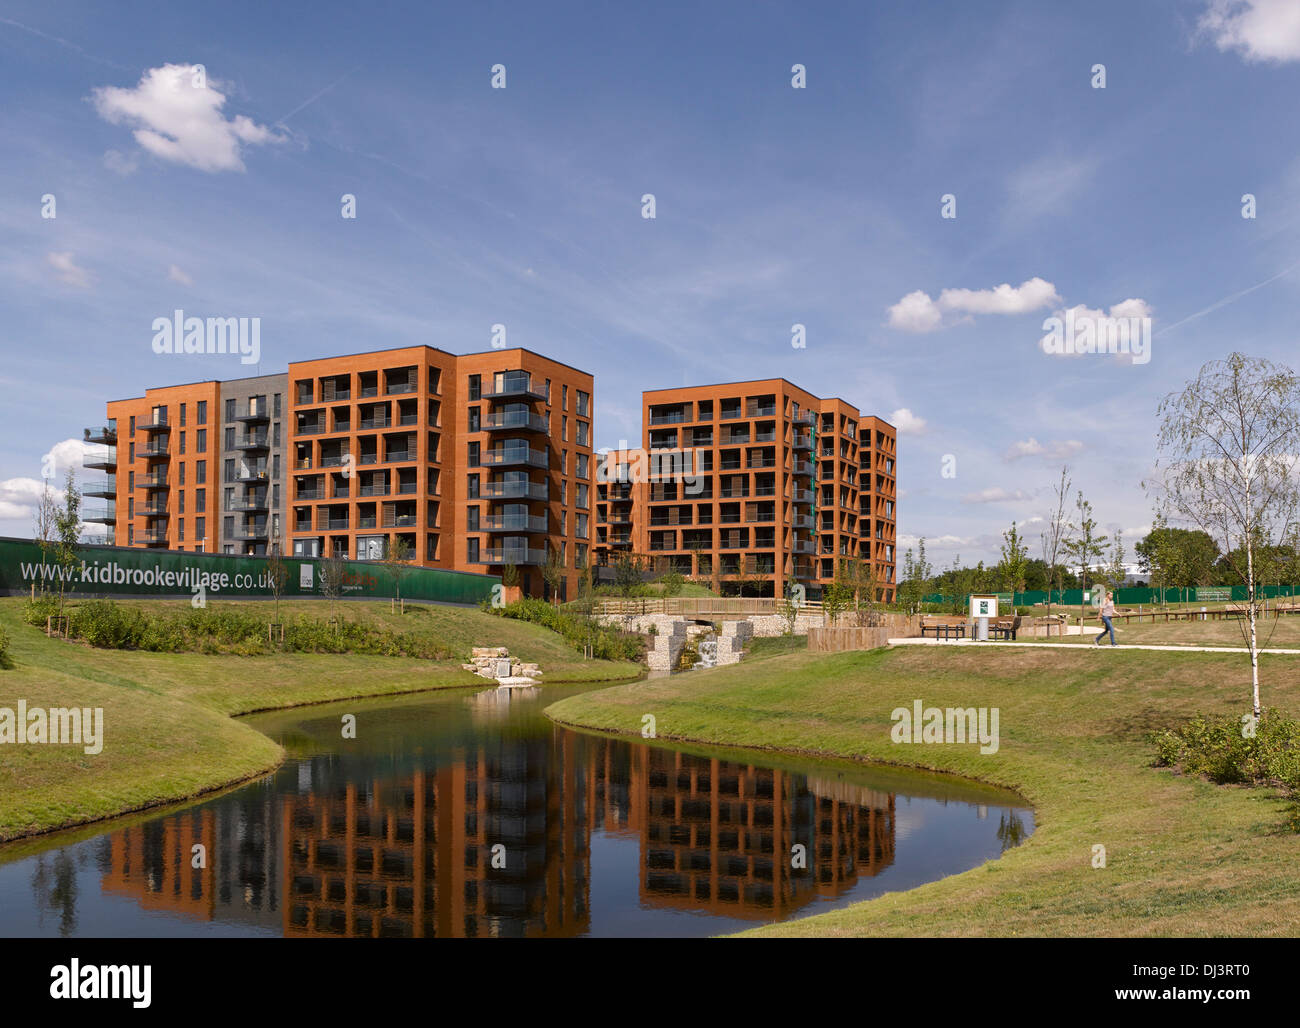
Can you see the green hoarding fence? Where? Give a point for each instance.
(123, 571)
(1135, 597)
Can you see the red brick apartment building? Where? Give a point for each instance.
(753, 482)
(475, 461)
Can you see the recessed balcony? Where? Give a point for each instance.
(515, 456)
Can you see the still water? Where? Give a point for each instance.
(396, 833)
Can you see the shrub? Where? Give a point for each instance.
(672, 583)
(607, 643)
(1217, 749)
(36, 611)
(4, 647)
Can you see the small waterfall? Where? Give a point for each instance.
(708, 648)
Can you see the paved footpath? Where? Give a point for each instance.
(1077, 646)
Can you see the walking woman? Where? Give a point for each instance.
(1107, 612)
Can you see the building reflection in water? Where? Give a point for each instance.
(412, 854)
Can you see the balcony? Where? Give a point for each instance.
(332, 524)
(513, 386)
(500, 555)
(374, 490)
(102, 460)
(802, 442)
(529, 523)
(804, 496)
(400, 520)
(620, 540)
(251, 475)
(250, 504)
(805, 417)
(399, 456)
(157, 427)
(515, 455)
(152, 510)
(516, 490)
(668, 419)
(311, 428)
(155, 449)
(152, 482)
(367, 423)
(498, 421)
(803, 521)
(803, 546)
(804, 469)
(617, 519)
(251, 417)
(100, 515)
(253, 532)
(105, 488)
(254, 442)
(104, 435)
(154, 538)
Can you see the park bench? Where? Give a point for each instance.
(943, 627)
(1005, 628)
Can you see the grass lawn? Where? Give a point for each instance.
(168, 729)
(1280, 633)
(1183, 856)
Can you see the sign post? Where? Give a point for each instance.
(982, 607)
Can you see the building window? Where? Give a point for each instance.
(472, 490)
(471, 551)
(182, 415)
(203, 412)
(564, 429)
(180, 529)
(582, 433)
(230, 437)
(474, 423)
(181, 500)
(230, 410)
(182, 473)
(584, 403)
(473, 455)
(471, 519)
(583, 466)
(201, 440)
(564, 397)
(583, 490)
(200, 502)
(200, 528)
(200, 472)
(277, 405)
(475, 387)
(581, 532)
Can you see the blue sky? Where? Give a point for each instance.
(775, 206)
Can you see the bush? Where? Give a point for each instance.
(4, 647)
(1217, 749)
(108, 625)
(607, 643)
(36, 611)
(672, 583)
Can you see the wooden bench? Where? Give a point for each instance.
(943, 627)
(1004, 628)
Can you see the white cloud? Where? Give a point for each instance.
(1004, 299)
(1261, 30)
(64, 455)
(917, 312)
(180, 121)
(1062, 449)
(18, 498)
(177, 275)
(69, 273)
(906, 422)
(997, 495)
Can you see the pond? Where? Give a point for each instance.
(469, 813)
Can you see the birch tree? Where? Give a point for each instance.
(1227, 465)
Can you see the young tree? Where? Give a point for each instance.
(836, 598)
(332, 571)
(510, 575)
(1054, 538)
(397, 558)
(277, 575)
(1084, 545)
(1226, 464)
(67, 531)
(627, 576)
(1015, 561)
(553, 573)
(44, 522)
(1115, 573)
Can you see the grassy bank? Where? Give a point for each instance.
(1183, 856)
(168, 729)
